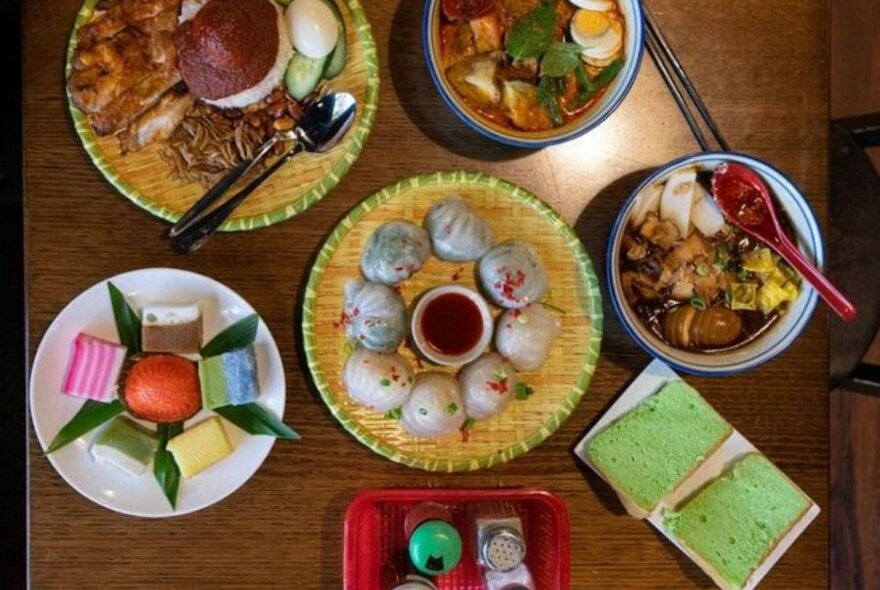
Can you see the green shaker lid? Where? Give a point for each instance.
(435, 547)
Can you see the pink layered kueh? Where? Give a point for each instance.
(94, 368)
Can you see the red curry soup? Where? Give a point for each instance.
(530, 65)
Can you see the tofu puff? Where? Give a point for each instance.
(434, 407)
(487, 385)
(513, 275)
(458, 233)
(376, 380)
(374, 316)
(395, 252)
(525, 336)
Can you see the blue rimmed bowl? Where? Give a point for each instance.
(634, 44)
(784, 331)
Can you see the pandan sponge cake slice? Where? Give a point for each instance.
(649, 451)
(735, 522)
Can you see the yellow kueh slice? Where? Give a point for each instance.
(201, 446)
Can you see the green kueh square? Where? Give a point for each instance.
(213, 381)
(129, 438)
(649, 451)
(735, 521)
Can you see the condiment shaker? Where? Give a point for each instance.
(434, 543)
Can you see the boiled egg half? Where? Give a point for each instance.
(598, 32)
(312, 27)
(600, 5)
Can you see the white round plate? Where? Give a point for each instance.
(92, 313)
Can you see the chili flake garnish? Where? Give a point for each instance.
(510, 284)
(500, 387)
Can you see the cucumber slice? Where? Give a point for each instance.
(303, 74)
(336, 62)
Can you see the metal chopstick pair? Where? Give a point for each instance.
(673, 74)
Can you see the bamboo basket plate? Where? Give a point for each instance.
(558, 385)
(147, 180)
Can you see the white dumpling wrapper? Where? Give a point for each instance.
(395, 252)
(374, 316)
(487, 385)
(376, 380)
(434, 407)
(513, 275)
(524, 336)
(458, 233)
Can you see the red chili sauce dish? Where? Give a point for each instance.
(451, 324)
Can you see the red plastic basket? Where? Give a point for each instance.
(375, 540)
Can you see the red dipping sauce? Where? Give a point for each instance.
(451, 324)
(740, 199)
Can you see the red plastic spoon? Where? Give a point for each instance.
(743, 197)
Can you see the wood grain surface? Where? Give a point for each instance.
(762, 67)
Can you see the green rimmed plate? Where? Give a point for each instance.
(558, 385)
(146, 179)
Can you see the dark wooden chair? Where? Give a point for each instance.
(854, 256)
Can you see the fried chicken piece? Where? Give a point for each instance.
(159, 122)
(125, 61)
(115, 18)
(122, 112)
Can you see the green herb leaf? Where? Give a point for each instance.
(128, 324)
(255, 419)
(394, 414)
(238, 335)
(602, 79)
(385, 382)
(91, 415)
(423, 411)
(165, 468)
(587, 86)
(561, 59)
(523, 391)
(468, 423)
(548, 92)
(532, 35)
(452, 408)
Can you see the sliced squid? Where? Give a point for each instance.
(705, 215)
(678, 198)
(648, 201)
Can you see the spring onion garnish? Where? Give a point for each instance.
(698, 302)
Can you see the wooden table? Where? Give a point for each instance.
(762, 66)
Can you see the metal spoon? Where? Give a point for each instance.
(321, 128)
(746, 202)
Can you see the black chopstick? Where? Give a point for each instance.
(668, 65)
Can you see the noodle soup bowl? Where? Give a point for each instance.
(782, 333)
(633, 50)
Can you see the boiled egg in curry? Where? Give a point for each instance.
(598, 32)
